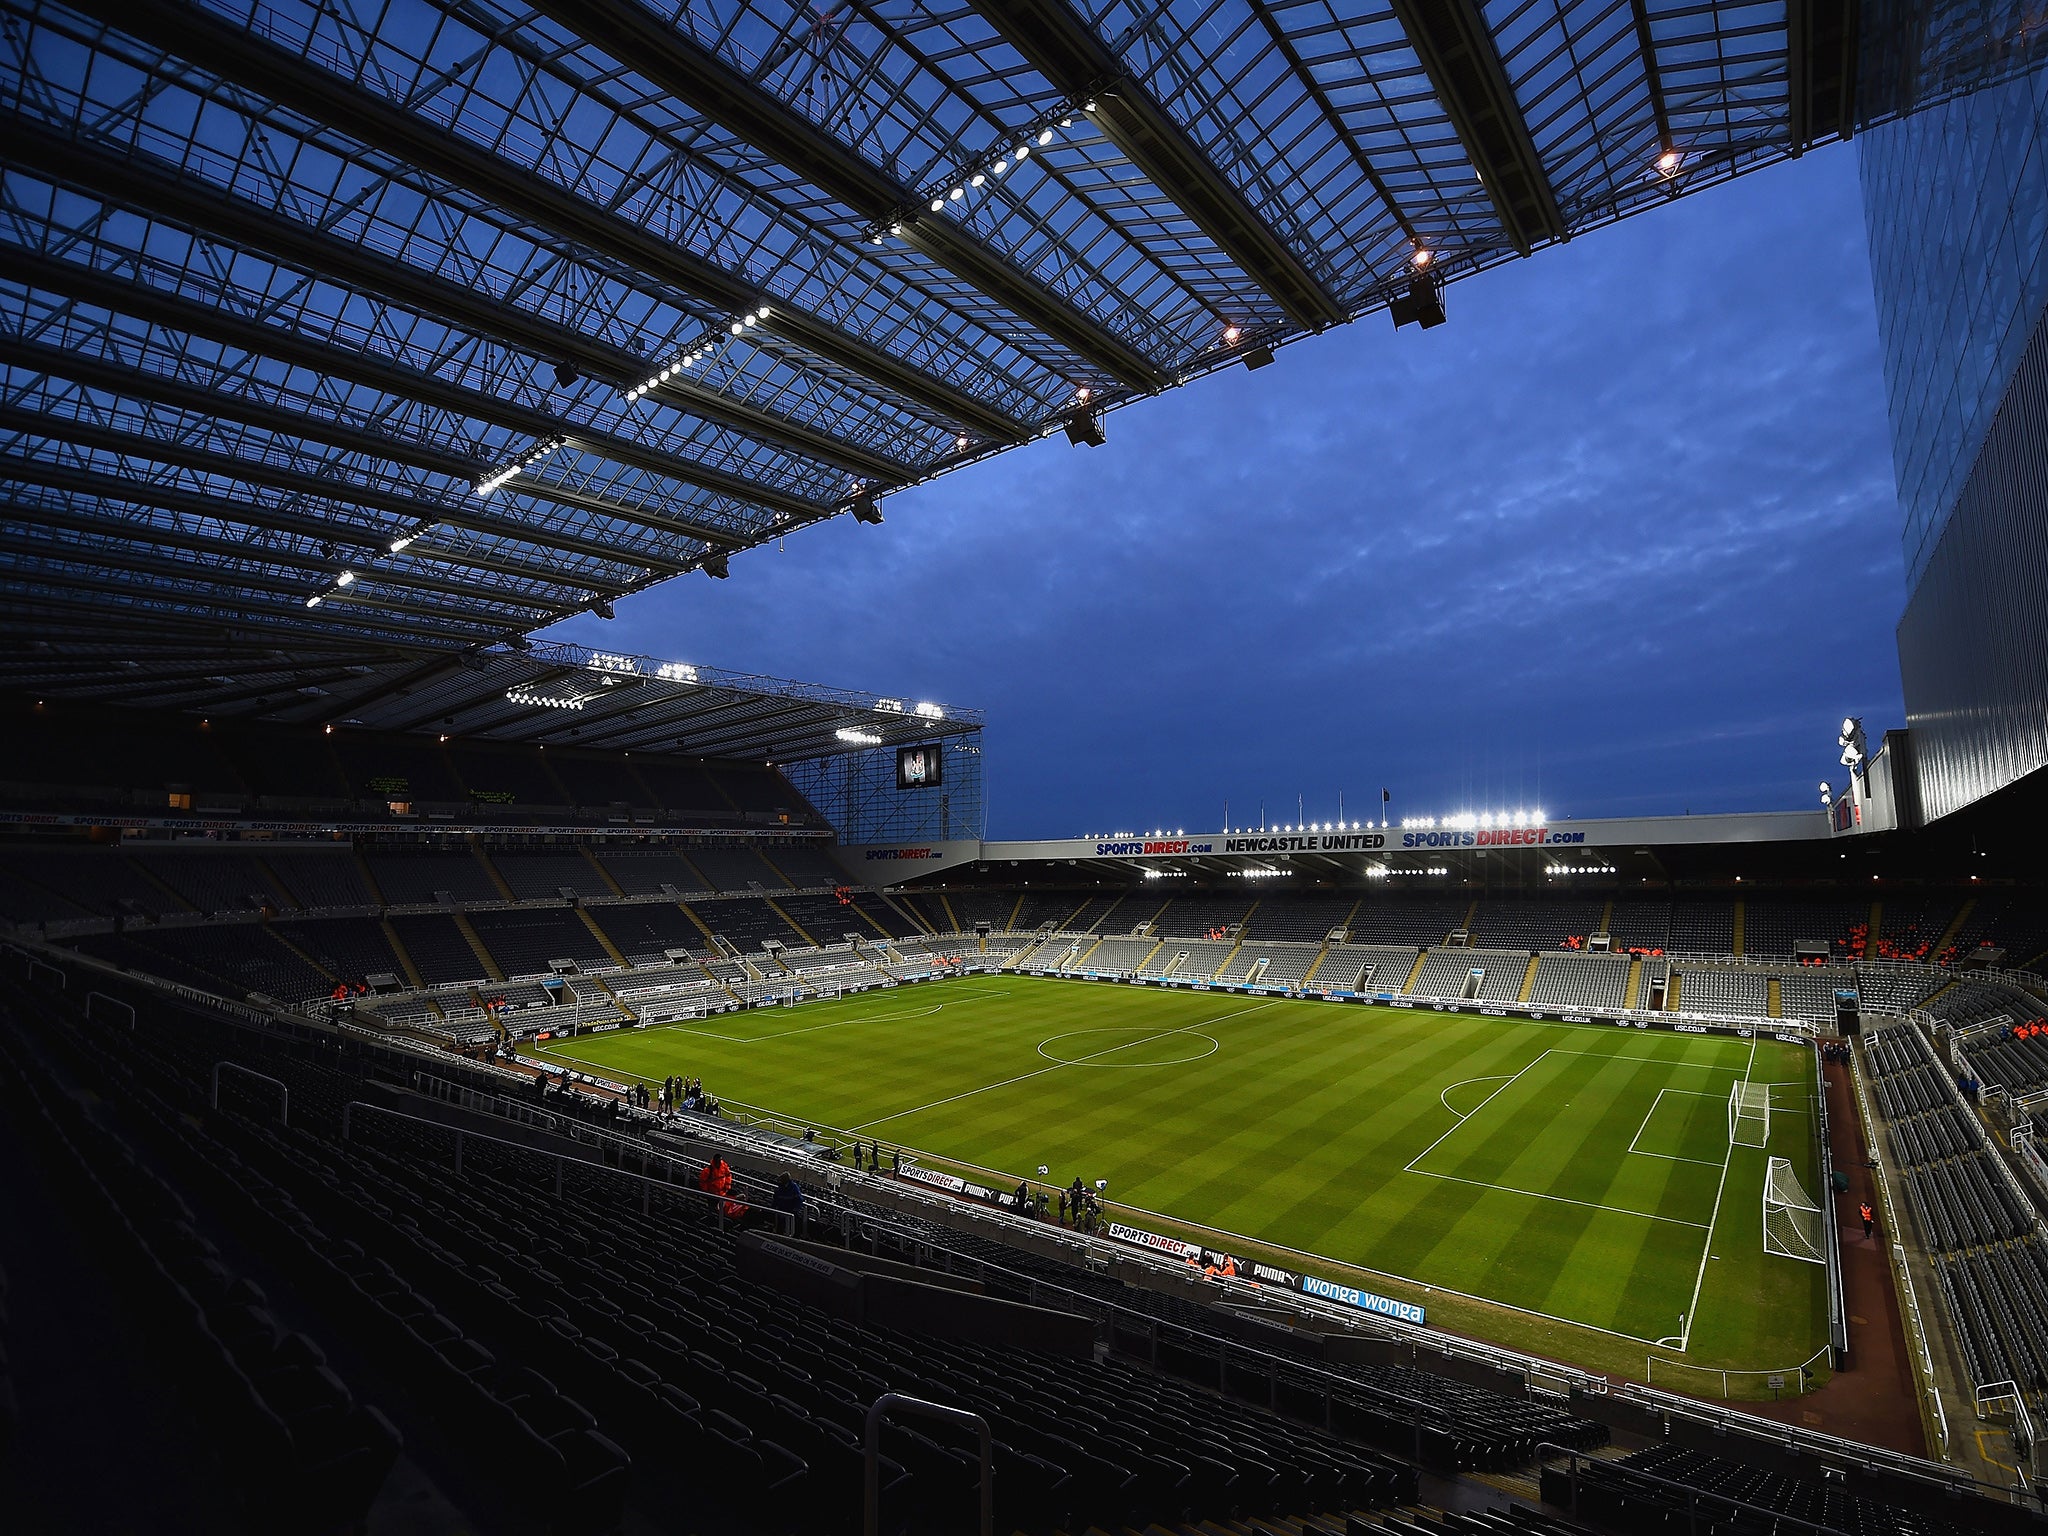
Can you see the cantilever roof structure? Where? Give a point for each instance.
(538, 691)
(392, 329)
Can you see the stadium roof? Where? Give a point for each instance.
(561, 695)
(325, 325)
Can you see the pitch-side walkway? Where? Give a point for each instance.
(1876, 1400)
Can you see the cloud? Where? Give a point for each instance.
(1620, 536)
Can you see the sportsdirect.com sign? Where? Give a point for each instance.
(1157, 1242)
(1385, 1306)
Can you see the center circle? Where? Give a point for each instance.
(1136, 1048)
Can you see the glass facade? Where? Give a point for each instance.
(1956, 201)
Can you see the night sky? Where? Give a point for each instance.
(1620, 538)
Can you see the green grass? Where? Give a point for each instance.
(1549, 1187)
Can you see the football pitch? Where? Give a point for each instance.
(1565, 1189)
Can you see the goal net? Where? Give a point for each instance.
(1749, 1115)
(1791, 1219)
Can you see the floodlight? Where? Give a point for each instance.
(737, 327)
(1422, 257)
(1231, 333)
(315, 600)
(938, 205)
(957, 193)
(1849, 725)
(345, 578)
(399, 544)
(1045, 137)
(1668, 162)
(977, 179)
(858, 738)
(1022, 152)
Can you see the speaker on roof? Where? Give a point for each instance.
(1422, 304)
(1085, 428)
(1258, 357)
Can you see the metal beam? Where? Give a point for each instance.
(1653, 77)
(371, 371)
(298, 482)
(381, 688)
(1320, 94)
(155, 187)
(1451, 40)
(132, 558)
(1821, 44)
(169, 498)
(672, 60)
(243, 56)
(40, 612)
(133, 532)
(241, 611)
(1056, 43)
(139, 384)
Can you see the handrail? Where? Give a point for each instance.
(784, 1222)
(871, 1452)
(1777, 1519)
(111, 1002)
(284, 1112)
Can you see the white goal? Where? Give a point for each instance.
(1749, 1115)
(1791, 1219)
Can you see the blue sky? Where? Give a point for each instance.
(1619, 538)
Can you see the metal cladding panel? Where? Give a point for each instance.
(1973, 645)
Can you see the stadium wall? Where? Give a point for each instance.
(1973, 644)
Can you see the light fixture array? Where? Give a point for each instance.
(347, 578)
(858, 738)
(526, 460)
(976, 174)
(691, 355)
(1466, 821)
(540, 700)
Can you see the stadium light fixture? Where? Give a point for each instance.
(345, 579)
(692, 353)
(858, 738)
(316, 600)
(1669, 162)
(526, 460)
(974, 174)
(929, 712)
(1423, 257)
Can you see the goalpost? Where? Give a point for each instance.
(1791, 1220)
(1749, 1115)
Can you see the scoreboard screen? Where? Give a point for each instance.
(920, 767)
